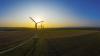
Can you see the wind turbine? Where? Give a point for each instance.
(36, 23)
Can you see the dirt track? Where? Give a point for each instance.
(11, 37)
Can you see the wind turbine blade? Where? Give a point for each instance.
(32, 19)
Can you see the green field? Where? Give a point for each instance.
(50, 43)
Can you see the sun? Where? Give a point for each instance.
(37, 18)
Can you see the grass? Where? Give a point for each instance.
(82, 45)
(65, 33)
(53, 43)
(22, 50)
(9, 38)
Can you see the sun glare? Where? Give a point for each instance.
(37, 19)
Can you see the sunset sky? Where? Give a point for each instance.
(55, 13)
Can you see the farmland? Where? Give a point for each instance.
(80, 45)
(57, 42)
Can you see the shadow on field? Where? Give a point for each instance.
(84, 45)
